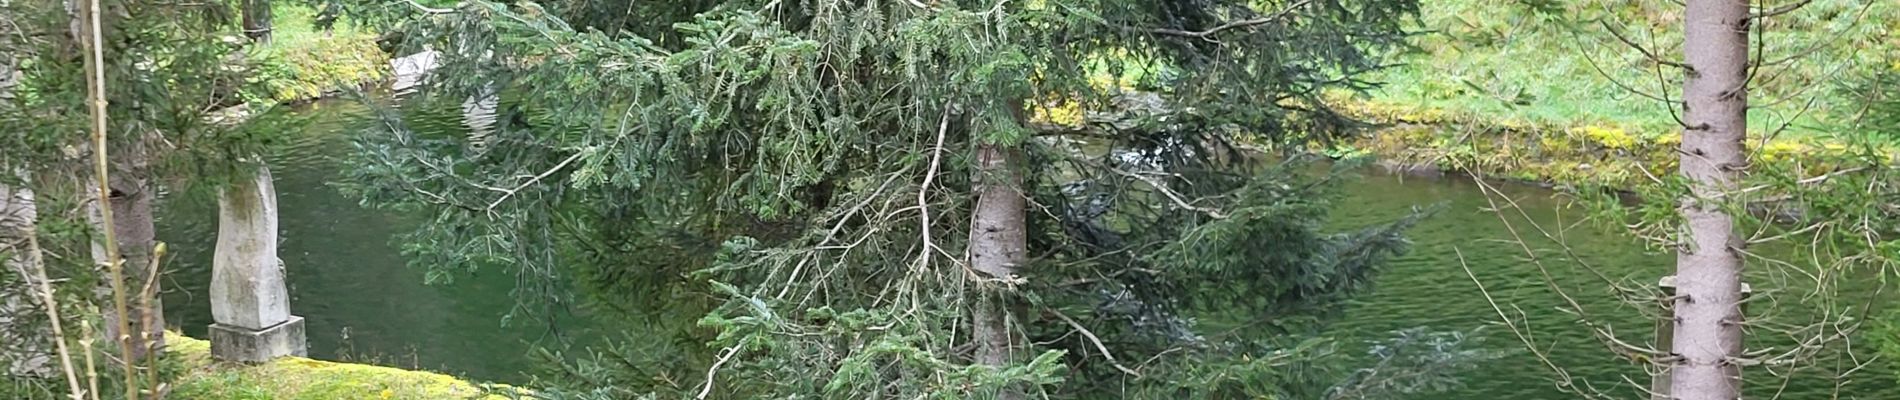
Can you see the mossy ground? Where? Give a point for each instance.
(1501, 89)
(1509, 62)
(302, 62)
(1602, 153)
(298, 378)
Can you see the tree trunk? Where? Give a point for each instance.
(1708, 334)
(257, 25)
(131, 201)
(27, 349)
(997, 242)
(132, 220)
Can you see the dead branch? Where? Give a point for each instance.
(1639, 48)
(1246, 23)
(1781, 10)
(1097, 341)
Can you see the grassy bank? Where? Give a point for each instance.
(303, 62)
(1600, 153)
(1511, 61)
(1503, 88)
(298, 378)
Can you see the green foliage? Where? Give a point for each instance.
(1558, 63)
(302, 63)
(26, 388)
(1886, 334)
(175, 84)
(764, 164)
(176, 77)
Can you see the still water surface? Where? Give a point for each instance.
(362, 302)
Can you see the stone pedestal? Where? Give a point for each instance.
(249, 300)
(246, 345)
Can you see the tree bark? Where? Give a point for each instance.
(1708, 332)
(27, 350)
(257, 24)
(997, 248)
(131, 211)
(133, 229)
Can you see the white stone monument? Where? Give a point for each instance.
(249, 301)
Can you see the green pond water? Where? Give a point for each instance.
(363, 302)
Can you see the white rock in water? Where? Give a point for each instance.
(410, 70)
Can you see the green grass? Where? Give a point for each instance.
(302, 62)
(297, 378)
(1500, 60)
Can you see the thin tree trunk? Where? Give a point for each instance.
(257, 24)
(1708, 334)
(135, 234)
(997, 242)
(26, 350)
(131, 197)
(132, 219)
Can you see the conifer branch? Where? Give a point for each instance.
(1246, 23)
(1097, 341)
(506, 193)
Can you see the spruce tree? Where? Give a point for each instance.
(895, 199)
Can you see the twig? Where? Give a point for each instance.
(1804, 181)
(92, 372)
(52, 313)
(1231, 25)
(1639, 48)
(919, 4)
(1592, 61)
(430, 11)
(1781, 10)
(506, 193)
(1097, 341)
(1163, 188)
(149, 292)
(706, 390)
(923, 192)
(1563, 376)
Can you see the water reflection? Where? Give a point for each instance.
(360, 300)
(347, 279)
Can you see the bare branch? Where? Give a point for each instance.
(923, 192)
(1781, 10)
(1246, 23)
(1163, 188)
(428, 10)
(1097, 341)
(711, 372)
(506, 193)
(1626, 87)
(1639, 48)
